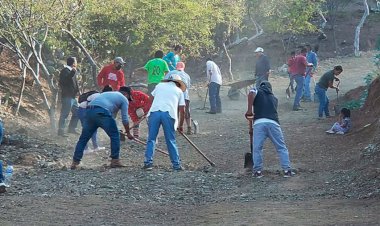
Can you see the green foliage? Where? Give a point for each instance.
(282, 16)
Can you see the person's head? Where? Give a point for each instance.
(71, 62)
(126, 91)
(337, 70)
(303, 51)
(265, 85)
(308, 47)
(259, 51)
(293, 53)
(118, 62)
(180, 66)
(208, 59)
(159, 54)
(107, 88)
(177, 80)
(345, 112)
(178, 49)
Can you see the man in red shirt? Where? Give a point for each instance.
(112, 75)
(300, 64)
(291, 69)
(139, 105)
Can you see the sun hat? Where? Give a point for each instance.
(259, 50)
(177, 79)
(180, 66)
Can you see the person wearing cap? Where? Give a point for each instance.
(100, 113)
(139, 105)
(300, 71)
(214, 78)
(262, 66)
(168, 100)
(68, 85)
(180, 70)
(112, 75)
(156, 69)
(172, 58)
(262, 109)
(312, 60)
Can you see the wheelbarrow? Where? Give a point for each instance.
(236, 87)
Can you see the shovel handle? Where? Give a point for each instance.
(144, 143)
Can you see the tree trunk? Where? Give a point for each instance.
(360, 25)
(21, 91)
(229, 62)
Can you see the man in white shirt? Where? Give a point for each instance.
(168, 100)
(214, 78)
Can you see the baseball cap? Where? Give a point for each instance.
(119, 60)
(180, 66)
(259, 50)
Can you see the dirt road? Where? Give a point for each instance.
(327, 189)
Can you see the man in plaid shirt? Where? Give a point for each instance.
(139, 105)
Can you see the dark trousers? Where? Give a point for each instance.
(215, 102)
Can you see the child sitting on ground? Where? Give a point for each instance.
(344, 124)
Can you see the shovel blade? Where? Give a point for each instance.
(195, 126)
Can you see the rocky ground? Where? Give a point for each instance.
(336, 183)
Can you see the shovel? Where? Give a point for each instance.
(337, 106)
(248, 161)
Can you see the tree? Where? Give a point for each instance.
(360, 25)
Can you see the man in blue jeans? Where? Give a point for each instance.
(100, 113)
(69, 89)
(300, 70)
(325, 82)
(262, 109)
(312, 61)
(168, 100)
(214, 78)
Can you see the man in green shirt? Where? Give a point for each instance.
(325, 82)
(156, 70)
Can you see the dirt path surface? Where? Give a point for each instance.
(328, 189)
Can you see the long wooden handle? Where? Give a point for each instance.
(157, 149)
(196, 148)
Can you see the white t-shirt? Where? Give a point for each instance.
(89, 99)
(261, 120)
(185, 78)
(213, 71)
(167, 98)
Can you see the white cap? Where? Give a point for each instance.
(259, 50)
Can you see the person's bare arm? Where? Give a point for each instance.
(249, 114)
(181, 110)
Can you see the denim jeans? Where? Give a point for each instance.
(306, 88)
(68, 104)
(95, 118)
(155, 120)
(82, 117)
(291, 81)
(1, 132)
(262, 131)
(323, 101)
(1, 172)
(215, 102)
(300, 81)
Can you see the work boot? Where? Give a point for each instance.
(115, 163)
(2, 188)
(73, 131)
(189, 131)
(61, 133)
(74, 165)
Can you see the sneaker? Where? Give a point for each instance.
(147, 167)
(100, 149)
(88, 150)
(180, 168)
(297, 109)
(329, 116)
(2, 188)
(74, 165)
(61, 133)
(189, 131)
(330, 131)
(258, 174)
(340, 133)
(211, 112)
(73, 131)
(288, 173)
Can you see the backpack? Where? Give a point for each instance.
(83, 97)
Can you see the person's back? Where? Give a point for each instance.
(112, 101)
(156, 69)
(216, 75)
(262, 66)
(300, 64)
(265, 104)
(166, 97)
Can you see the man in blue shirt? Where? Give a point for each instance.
(262, 69)
(172, 58)
(311, 58)
(100, 113)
